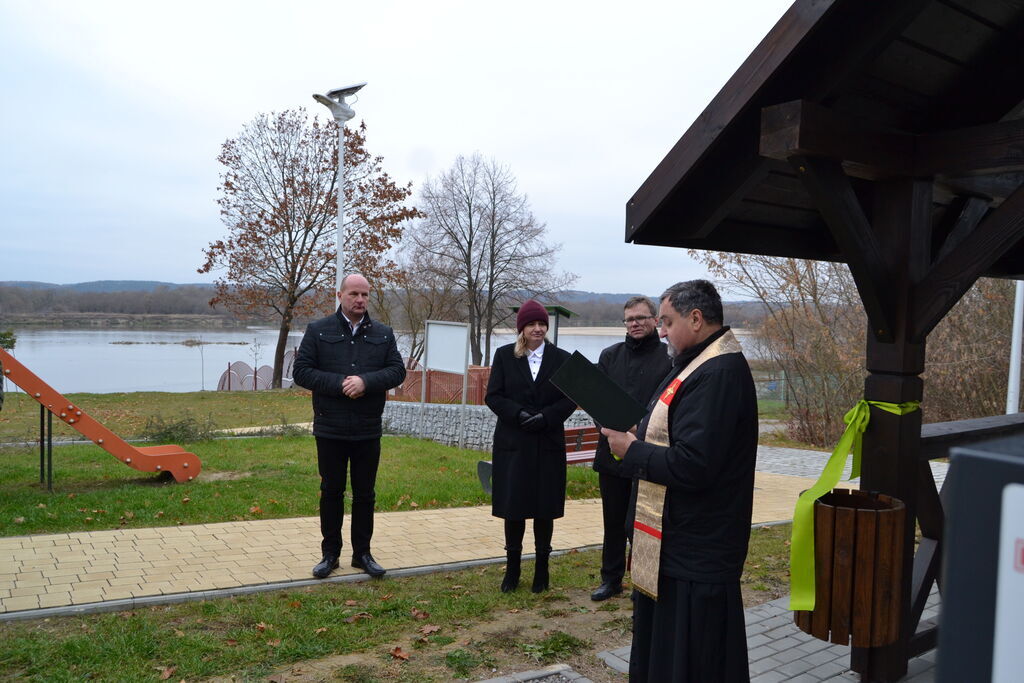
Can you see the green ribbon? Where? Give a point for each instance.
(801, 549)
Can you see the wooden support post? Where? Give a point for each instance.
(892, 443)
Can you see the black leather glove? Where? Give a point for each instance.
(535, 423)
(523, 416)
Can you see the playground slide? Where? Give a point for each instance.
(183, 465)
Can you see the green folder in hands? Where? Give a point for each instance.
(597, 394)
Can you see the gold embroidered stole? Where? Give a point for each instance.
(650, 499)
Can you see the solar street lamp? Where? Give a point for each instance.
(335, 101)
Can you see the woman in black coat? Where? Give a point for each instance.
(529, 442)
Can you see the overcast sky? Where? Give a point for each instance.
(114, 112)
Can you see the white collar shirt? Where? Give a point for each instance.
(353, 326)
(535, 358)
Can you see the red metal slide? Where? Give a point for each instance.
(183, 465)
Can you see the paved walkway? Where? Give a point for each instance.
(124, 568)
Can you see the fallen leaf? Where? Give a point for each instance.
(277, 678)
(167, 672)
(417, 613)
(513, 611)
(322, 629)
(387, 596)
(261, 627)
(159, 514)
(88, 519)
(179, 632)
(457, 587)
(295, 604)
(256, 510)
(414, 504)
(72, 495)
(272, 501)
(19, 520)
(231, 642)
(427, 629)
(186, 499)
(274, 642)
(356, 617)
(398, 653)
(351, 603)
(41, 505)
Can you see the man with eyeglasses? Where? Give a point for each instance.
(637, 364)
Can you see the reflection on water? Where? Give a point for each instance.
(115, 360)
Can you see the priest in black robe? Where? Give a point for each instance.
(694, 630)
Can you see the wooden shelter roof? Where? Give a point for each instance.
(910, 88)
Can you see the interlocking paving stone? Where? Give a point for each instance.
(797, 666)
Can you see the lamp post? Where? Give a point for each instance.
(335, 101)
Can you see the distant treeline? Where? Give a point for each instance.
(163, 300)
(600, 311)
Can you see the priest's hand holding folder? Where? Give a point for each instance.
(606, 402)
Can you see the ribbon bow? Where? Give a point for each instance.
(801, 549)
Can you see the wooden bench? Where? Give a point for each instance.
(580, 447)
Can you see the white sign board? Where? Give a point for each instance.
(1007, 659)
(446, 347)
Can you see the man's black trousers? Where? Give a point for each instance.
(615, 493)
(334, 458)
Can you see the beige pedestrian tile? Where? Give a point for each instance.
(84, 597)
(31, 581)
(20, 603)
(22, 592)
(54, 599)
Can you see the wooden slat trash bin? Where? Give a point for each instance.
(858, 556)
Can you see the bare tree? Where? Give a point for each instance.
(480, 233)
(279, 203)
(816, 328)
(814, 333)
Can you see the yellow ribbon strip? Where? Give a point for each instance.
(801, 549)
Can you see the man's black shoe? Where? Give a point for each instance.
(605, 591)
(368, 565)
(326, 566)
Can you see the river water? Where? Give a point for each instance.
(118, 360)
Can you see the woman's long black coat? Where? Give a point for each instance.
(529, 469)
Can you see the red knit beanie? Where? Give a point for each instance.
(528, 312)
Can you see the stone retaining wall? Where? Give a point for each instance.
(440, 422)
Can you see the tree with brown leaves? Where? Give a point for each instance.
(278, 199)
(480, 234)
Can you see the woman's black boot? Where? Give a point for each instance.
(510, 582)
(541, 577)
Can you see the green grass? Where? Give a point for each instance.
(126, 414)
(251, 478)
(772, 409)
(253, 634)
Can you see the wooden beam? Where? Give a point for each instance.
(993, 148)
(965, 214)
(776, 49)
(950, 278)
(937, 438)
(844, 216)
(926, 569)
(802, 128)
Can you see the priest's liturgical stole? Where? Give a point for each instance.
(650, 499)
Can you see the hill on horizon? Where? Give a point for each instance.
(105, 285)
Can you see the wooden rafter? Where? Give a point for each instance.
(844, 216)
